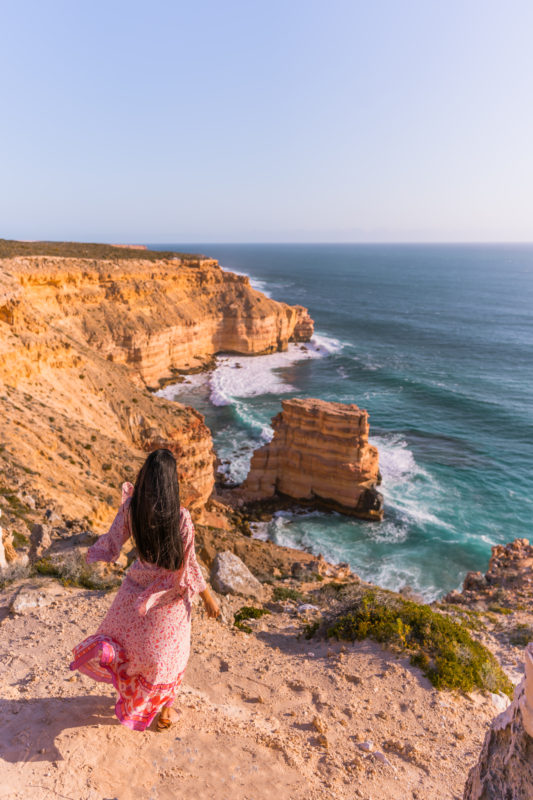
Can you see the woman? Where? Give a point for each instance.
(143, 644)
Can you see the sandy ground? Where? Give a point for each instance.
(262, 715)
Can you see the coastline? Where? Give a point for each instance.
(381, 706)
(446, 484)
(244, 394)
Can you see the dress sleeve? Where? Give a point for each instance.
(192, 573)
(108, 546)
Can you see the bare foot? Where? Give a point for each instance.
(166, 718)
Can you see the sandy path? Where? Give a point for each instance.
(247, 730)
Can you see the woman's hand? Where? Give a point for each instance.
(211, 605)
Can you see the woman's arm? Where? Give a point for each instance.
(211, 605)
(108, 546)
(195, 579)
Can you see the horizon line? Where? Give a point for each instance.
(168, 242)
(372, 242)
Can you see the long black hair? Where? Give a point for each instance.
(155, 511)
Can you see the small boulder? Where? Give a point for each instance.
(27, 499)
(38, 595)
(229, 575)
(40, 540)
(319, 724)
(307, 608)
(455, 598)
(474, 581)
(52, 517)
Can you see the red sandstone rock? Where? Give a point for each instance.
(319, 452)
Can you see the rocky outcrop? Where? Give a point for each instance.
(508, 580)
(304, 328)
(320, 453)
(505, 766)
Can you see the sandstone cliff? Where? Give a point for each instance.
(157, 317)
(320, 451)
(80, 340)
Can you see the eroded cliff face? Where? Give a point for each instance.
(156, 317)
(320, 451)
(80, 341)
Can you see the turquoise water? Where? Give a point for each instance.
(436, 343)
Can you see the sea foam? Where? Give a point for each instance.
(411, 492)
(238, 377)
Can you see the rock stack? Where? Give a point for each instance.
(319, 453)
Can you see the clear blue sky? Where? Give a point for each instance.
(282, 120)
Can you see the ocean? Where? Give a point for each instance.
(436, 342)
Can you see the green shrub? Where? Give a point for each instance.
(74, 571)
(521, 635)
(286, 593)
(500, 609)
(16, 506)
(442, 648)
(19, 540)
(247, 612)
(310, 628)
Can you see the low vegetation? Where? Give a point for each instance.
(521, 635)
(441, 647)
(496, 609)
(286, 593)
(10, 248)
(14, 572)
(74, 571)
(16, 506)
(247, 612)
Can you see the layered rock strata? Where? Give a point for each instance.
(320, 452)
(158, 317)
(81, 339)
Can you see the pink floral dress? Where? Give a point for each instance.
(142, 646)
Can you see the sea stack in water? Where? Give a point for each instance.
(319, 453)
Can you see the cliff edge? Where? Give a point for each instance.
(82, 340)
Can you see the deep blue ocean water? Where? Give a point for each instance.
(436, 342)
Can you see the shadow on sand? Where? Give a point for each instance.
(30, 727)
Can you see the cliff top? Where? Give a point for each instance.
(10, 248)
(316, 406)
